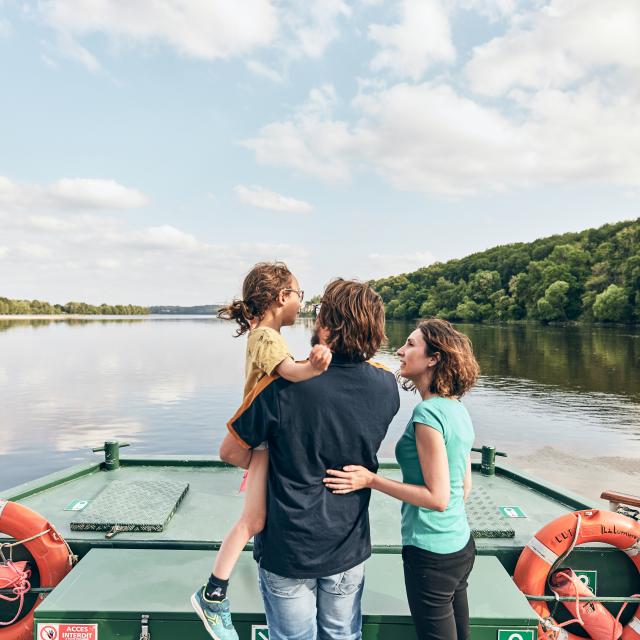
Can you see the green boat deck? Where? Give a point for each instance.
(151, 572)
(129, 583)
(212, 504)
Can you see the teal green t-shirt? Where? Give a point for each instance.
(438, 531)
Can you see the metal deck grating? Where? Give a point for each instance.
(484, 517)
(143, 505)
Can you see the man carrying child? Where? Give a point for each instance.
(312, 549)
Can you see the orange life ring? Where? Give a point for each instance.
(555, 538)
(49, 551)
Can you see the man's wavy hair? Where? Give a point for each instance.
(353, 313)
(457, 368)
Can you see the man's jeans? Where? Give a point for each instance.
(317, 608)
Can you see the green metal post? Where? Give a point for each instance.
(111, 450)
(111, 455)
(488, 463)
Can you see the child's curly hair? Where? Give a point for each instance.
(260, 289)
(457, 369)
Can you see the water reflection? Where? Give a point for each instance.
(568, 358)
(12, 323)
(169, 385)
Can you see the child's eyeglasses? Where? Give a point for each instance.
(300, 293)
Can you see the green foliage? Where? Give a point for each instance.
(558, 278)
(611, 305)
(37, 307)
(554, 304)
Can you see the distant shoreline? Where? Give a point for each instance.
(155, 316)
(92, 316)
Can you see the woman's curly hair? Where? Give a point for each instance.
(457, 368)
(260, 289)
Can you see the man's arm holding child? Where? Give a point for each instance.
(232, 453)
(251, 424)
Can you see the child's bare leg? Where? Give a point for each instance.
(252, 519)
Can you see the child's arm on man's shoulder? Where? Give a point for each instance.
(319, 360)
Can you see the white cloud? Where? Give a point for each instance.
(587, 135)
(558, 46)
(108, 263)
(50, 62)
(420, 39)
(265, 199)
(96, 194)
(70, 194)
(69, 47)
(383, 264)
(11, 193)
(419, 137)
(207, 29)
(164, 237)
(201, 29)
(313, 25)
(492, 9)
(263, 70)
(310, 141)
(138, 264)
(5, 28)
(48, 223)
(33, 250)
(430, 138)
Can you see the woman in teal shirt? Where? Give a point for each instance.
(434, 455)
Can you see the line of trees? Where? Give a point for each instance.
(38, 307)
(593, 275)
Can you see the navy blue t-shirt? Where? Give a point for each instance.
(334, 419)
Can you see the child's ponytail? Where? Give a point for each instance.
(260, 290)
(238, 310)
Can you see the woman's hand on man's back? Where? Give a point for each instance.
(352, 478)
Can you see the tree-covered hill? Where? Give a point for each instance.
(592, 275)
(38, 307)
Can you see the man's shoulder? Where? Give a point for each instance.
(375, 375)
(379, 365)
(383, 379)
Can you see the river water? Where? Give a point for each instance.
(563, 402)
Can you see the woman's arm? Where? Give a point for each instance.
(433, 494)
(467, 483)
(319, 360)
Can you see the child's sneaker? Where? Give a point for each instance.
(215, 615)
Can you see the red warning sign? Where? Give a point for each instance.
(74, 631)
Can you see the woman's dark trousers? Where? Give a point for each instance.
(437, 591)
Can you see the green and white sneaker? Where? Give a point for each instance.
(215, 615)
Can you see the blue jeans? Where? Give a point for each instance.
(314, 608)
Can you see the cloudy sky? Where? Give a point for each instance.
(152, 150)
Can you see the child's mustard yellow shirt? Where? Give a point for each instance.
(266, 349)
